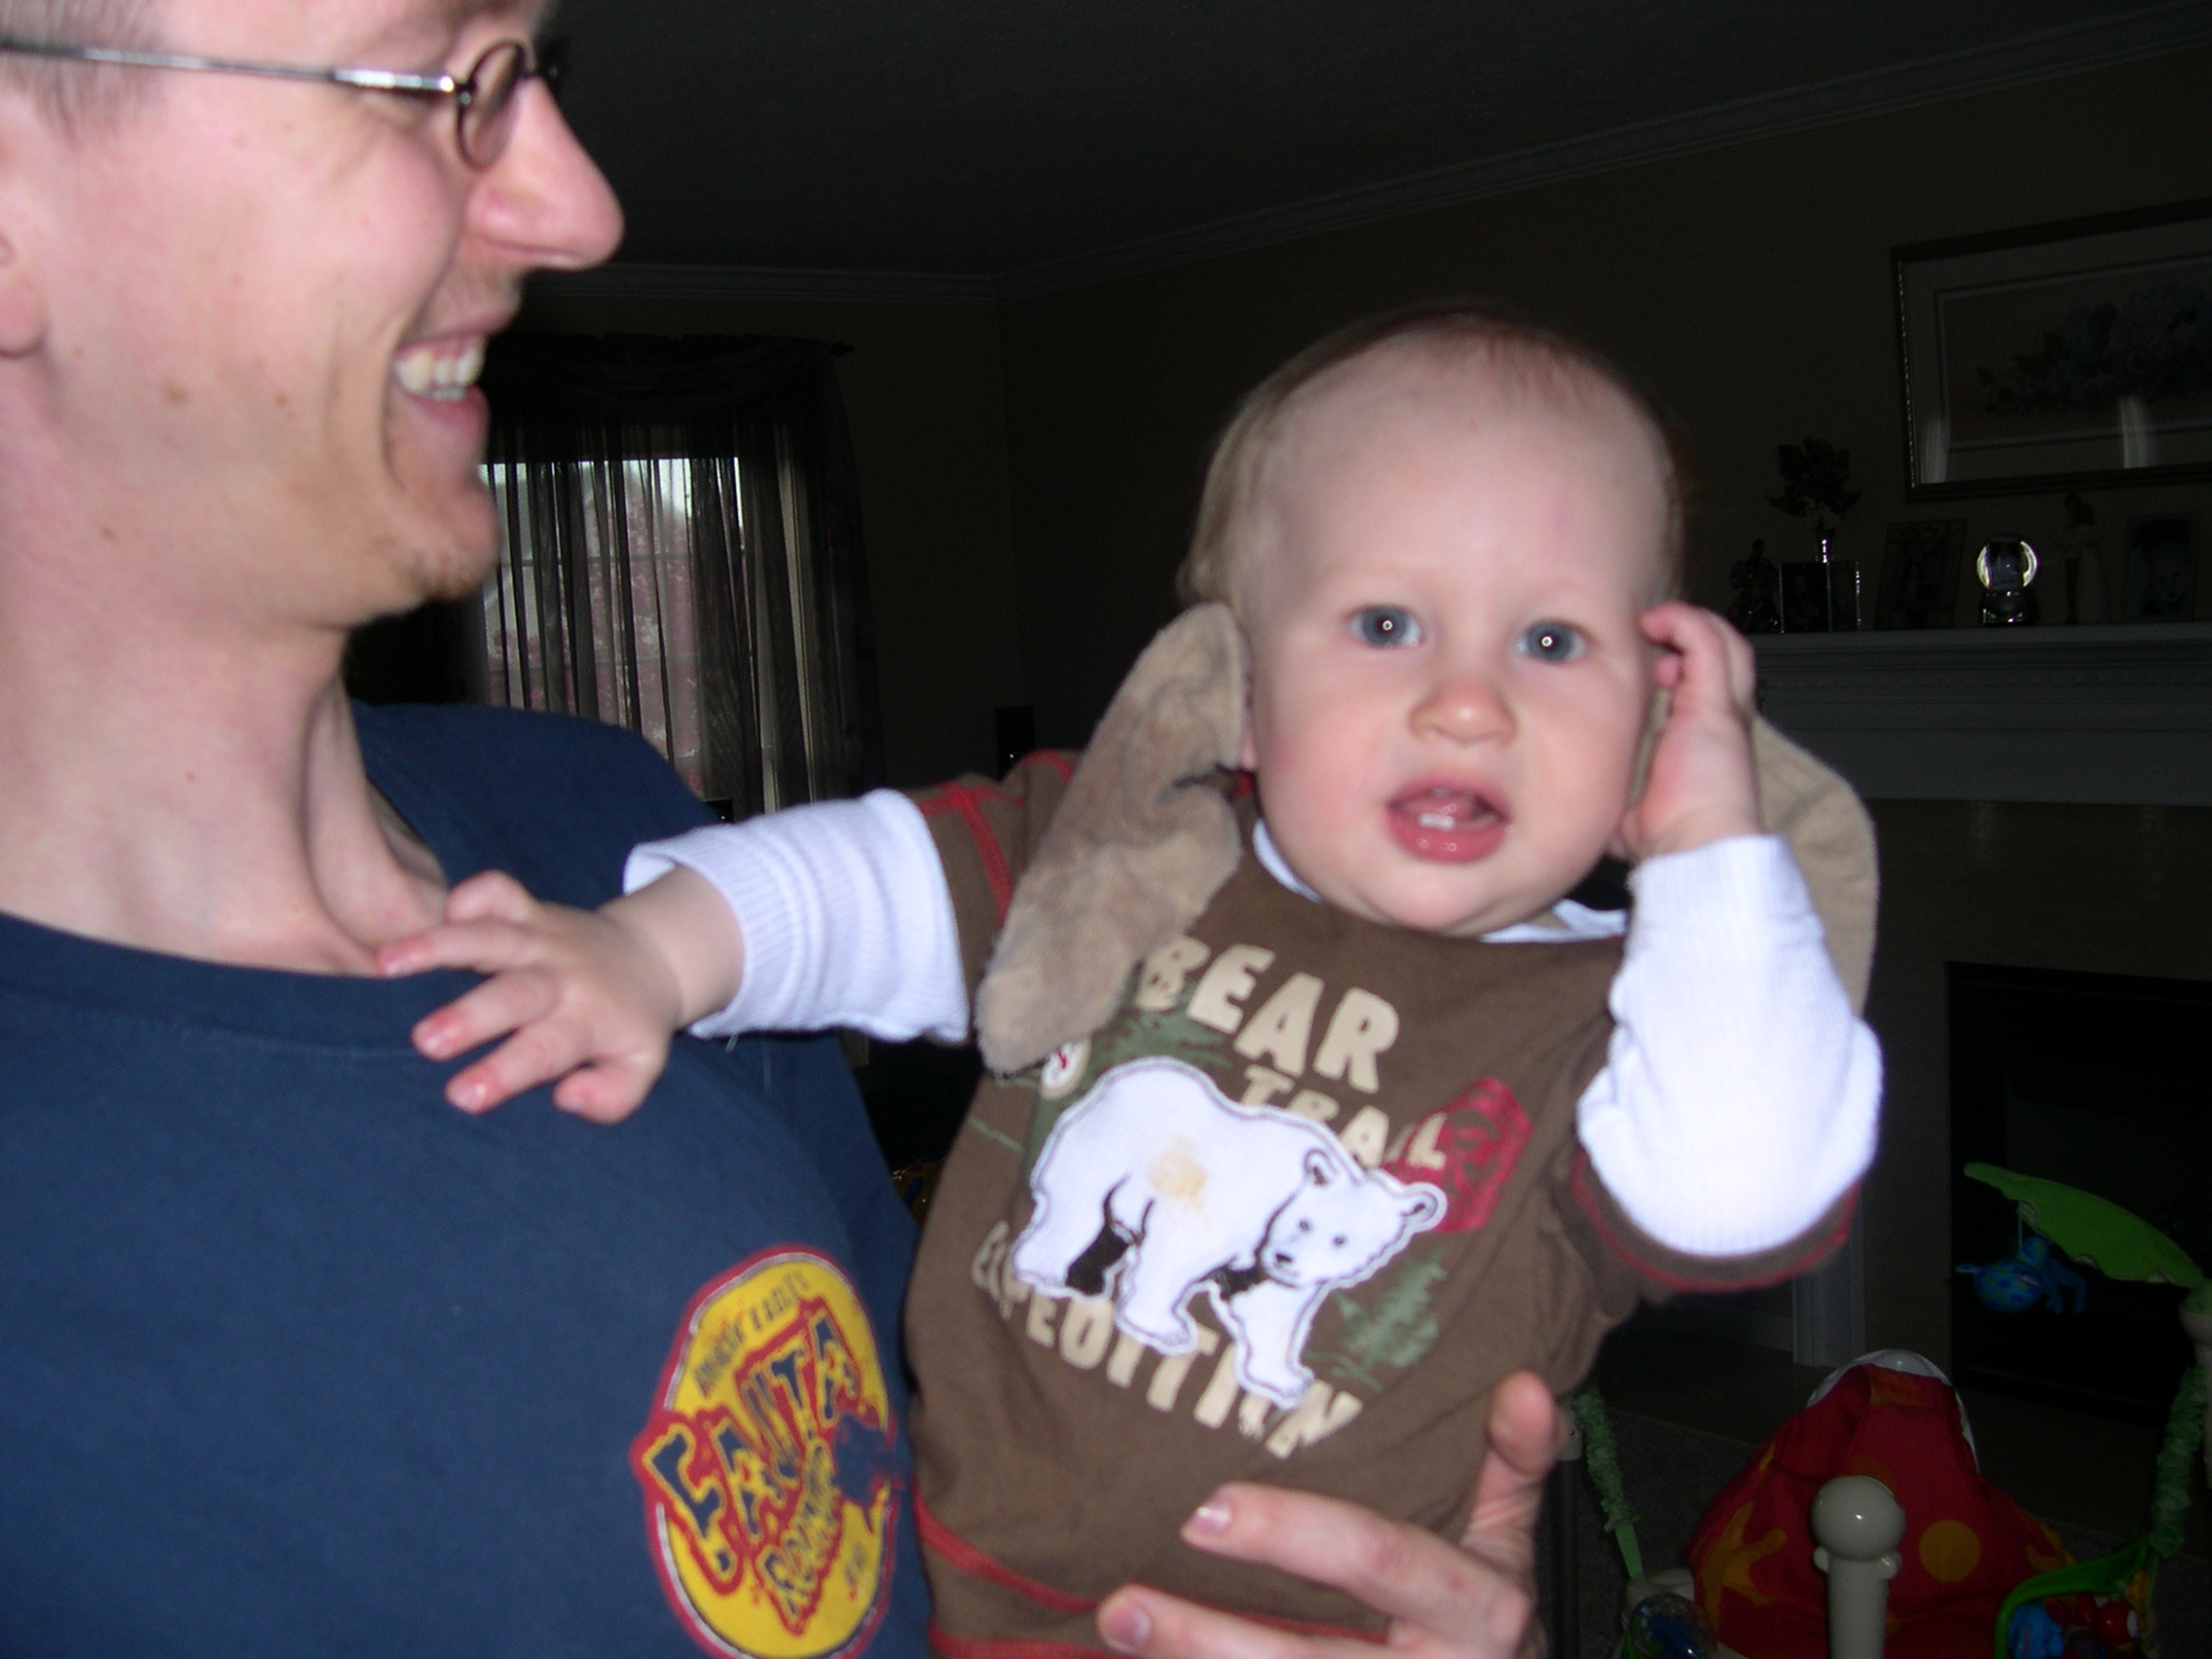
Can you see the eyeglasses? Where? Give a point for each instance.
(484, 99)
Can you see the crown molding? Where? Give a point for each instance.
(638, 282)
(2050, 54)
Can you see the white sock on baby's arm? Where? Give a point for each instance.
(846, 917)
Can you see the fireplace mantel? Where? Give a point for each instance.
(2111, 714)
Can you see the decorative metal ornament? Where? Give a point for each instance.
(2005, 567)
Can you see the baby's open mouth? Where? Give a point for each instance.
(1451, 825)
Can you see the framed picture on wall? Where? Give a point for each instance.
(2060, 356)
(1918, 585)
(2161, 567)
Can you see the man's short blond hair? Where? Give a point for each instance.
(72, 95)
(1532, 355)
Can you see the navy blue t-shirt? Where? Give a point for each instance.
(296, 1358)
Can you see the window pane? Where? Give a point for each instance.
(610, 632)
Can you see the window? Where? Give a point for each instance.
(681, 557)
(622, 645)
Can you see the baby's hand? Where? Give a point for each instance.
(590, 999)
(1700, 786)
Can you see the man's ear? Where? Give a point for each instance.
(22, 289)
(22, 301)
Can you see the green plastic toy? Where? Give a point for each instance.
(2096, 1231)
(2119, 1245)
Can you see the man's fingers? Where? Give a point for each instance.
(1412, 1575)
(1160, 1626)
(1524, 1435)
(1474, 1602)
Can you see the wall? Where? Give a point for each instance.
(1750, 285)
(925, 401)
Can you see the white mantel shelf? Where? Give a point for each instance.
(2112, 714)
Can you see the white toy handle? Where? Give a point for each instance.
(1858, 1525)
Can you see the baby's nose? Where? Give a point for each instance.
(1466, 705)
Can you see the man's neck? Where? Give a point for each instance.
(174, 789)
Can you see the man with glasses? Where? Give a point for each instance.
(293, 1357)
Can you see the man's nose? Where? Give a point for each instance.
(1466, 705)
(545, 204)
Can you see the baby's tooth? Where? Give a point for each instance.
(472, 365)
(415, 371)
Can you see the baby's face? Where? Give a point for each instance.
(1449, 686)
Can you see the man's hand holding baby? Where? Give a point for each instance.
(592, 996)
(1700, 786)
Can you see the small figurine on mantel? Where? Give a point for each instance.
(2083, 550)
(1816, 487)
(1757, 607)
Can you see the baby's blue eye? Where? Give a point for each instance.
(1550, 642)
(1385, 625)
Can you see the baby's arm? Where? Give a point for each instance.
(831, 915)
(1739, 1100)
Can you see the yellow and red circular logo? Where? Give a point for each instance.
(770, 1466)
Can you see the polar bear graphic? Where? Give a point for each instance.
(1157, 1185)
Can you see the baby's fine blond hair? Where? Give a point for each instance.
(1532, 356)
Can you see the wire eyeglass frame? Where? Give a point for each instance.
(484, 99)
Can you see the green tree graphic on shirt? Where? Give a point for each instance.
(1393, 1329)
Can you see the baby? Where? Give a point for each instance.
(1372, 1114)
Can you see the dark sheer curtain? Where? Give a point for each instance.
(683, 557)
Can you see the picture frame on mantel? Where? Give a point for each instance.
(2161, 583)
(2065, 357)
(1918, 585)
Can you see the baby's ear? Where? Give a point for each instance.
(1654, 723)
(1247, 750)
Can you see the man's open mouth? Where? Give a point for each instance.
(443, 369)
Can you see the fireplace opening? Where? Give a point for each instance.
(2103, 1082)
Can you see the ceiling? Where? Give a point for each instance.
(999, 139)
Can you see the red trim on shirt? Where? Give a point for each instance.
(1676, 1281)
(943, 1640)
(964, 1557)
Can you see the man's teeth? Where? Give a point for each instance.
(440, 371)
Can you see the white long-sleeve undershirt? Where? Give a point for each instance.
(1740, 1094)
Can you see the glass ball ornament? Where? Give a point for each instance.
(1668, 1626)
